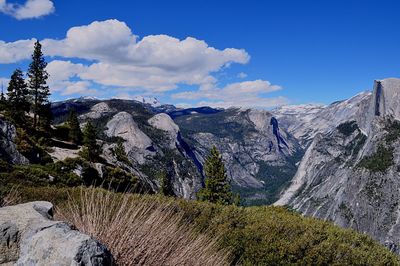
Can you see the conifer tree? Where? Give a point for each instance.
(38, 85)
(17, 98)
(165, 184)
(91, 150)
(120, 153)
(3, 102)
(75, 133)
(217, 188)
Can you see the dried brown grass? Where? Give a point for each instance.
(13, 197)
(140, 231)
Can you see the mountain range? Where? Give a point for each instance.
(338, 162)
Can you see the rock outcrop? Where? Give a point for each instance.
(8, 149)
(351, 174)
(137, 143)
(260, 157)
(30, 236)
(304, 122)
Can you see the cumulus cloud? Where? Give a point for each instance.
(118, 58)
(241, 94)
(156, 62)
(112, 56)
(12, 52)
(31, 9)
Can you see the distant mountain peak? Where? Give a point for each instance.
(153, 101)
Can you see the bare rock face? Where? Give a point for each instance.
(259, 155)
(8, 149)
(30, 236)
(164, 122)
(306, 121)
(137, 143)
(351, 174)
(98, 111)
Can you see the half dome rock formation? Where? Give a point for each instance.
(30, 236)
(351, 174)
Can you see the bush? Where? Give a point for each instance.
(380, 161)
(253, 235)
(118, 180)
(347, 128)
(140, 231)
(393, 130)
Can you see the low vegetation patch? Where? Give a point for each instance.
(246, 236)
(141, 231)
(393, 130)
(380, 161)
(347, 128)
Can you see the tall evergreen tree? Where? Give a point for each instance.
(217, 188)
(18, 98)
(75, 133)
(91, 150)
(38, 85)
(165, 184)
(3, 101)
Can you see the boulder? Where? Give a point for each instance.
(30, 236)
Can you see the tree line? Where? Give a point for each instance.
(27, 103)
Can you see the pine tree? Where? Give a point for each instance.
(165, 184)
(75, 133)
(3, 102)
(91, 150)
(38, 85)
(18, 98)
(120, 153)
(217, 188)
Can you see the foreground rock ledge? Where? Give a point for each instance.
(30, 236)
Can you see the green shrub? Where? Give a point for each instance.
(380, 161)
(393, 130)
(117, 179)
(262, 235)
(347, 128)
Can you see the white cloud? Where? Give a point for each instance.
(156, 62)
(79, 88)
(12, 52)
(241, 94)
(242, 75)
(60, 73)
(113, 57)
(118, 58)
(31, 9)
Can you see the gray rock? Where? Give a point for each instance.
(8, 149)
(30, 236)
(333, 184)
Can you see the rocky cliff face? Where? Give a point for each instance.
(29, 236)
(260, 156)
(152, 142)
(351, 174)
(304, 122)
(8, 149)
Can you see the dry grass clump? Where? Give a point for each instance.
(141, 231)
(12, 197)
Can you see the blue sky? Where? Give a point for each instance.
(284, 51)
